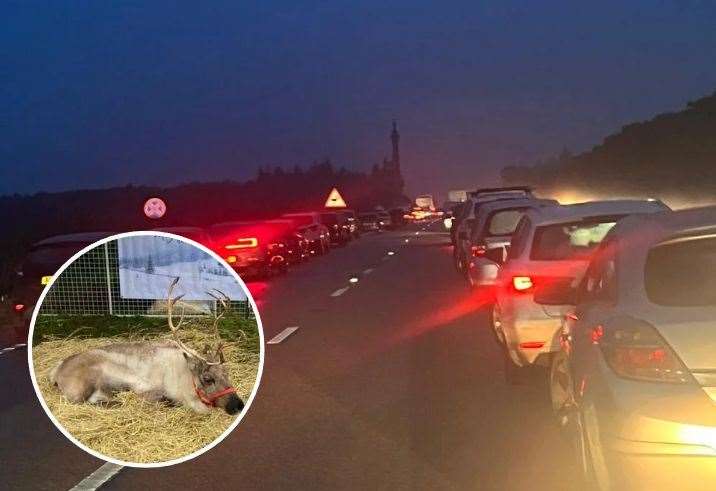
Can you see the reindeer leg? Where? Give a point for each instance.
(157, 396)
(102, 398)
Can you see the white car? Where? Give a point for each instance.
(551, 245)
(635, 381)
(463, 223)
(491, 235)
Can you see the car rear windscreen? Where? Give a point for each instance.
(682, 274)
(301, 219)
(47, 259)
(504, 222)
(569, 241)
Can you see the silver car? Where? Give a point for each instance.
(635, 380)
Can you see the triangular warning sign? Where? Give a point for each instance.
(335, 200)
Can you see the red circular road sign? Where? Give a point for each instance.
(155, 208)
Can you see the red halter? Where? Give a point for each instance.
(210, 399)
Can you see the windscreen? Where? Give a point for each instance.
(682, 274)
(569, 241)
(48, 258)
(328, 219)
(301, 219)
(504, 222)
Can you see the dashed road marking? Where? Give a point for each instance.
(283, 335)
(368, 271)
(98, 478)
(340, 291)
(12, 348)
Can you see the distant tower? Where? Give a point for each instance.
(395, 139)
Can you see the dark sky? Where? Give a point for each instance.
(93, 94)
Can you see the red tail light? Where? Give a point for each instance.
(634, 349)
(532, 344)
(243, 243)
(522, 283)
(19, 307)
(478, 250)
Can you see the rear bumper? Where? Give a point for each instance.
(642, 465)
(483, 272)
(526, 325)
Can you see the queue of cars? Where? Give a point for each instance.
(254, 248)
(618, 300)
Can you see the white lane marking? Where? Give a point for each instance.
(385, 258)
(12, 348)
(283, 335)
(340, 291)
(98, 478)
(368, 271)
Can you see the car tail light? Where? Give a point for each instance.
(231, 259)
(478, 250)
(532, 344)
(634, 349)
(522, 283)
(19, 307)
(244, 243)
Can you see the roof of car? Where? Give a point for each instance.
(526, 202)
(88, 237)
(669, 223)
(179, 229)
(566, 213)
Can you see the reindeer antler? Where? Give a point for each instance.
(225, 302)
(175, 328)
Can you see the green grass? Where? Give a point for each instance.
(51, 326)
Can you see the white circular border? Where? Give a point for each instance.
(202, 450)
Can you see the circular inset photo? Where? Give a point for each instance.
(145, 349)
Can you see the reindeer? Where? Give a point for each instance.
(158, 371)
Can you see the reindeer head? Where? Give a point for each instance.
(209, 374)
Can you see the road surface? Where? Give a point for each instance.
(394, 382)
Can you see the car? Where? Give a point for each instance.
(397, 217)
(384, 219)
(491, 235)
(297, 248)
(634, 383)
(369, 222)
(353, 225)
(310, 227)
(551, 245)
(42, 261)
(463, 223)
(254, 249)
(197, 234)
(338, 227)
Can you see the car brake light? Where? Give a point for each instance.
(19, 307)
(244, 243)
(522, 283)
(478, 250)
(231, 259)
(634, 349)
(532, 344)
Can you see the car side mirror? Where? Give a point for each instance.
(558, 293)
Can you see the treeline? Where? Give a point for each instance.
(28, 218)
(672, 154)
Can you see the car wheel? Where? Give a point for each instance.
(514, 375)
(561, 388)
(496, 321)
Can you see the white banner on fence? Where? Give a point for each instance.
(148, 264)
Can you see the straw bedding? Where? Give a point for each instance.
(134, 430)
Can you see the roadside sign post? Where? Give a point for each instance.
(335, 200)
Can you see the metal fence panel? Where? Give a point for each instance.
(90, 286)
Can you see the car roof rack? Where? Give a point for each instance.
(481, 191)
